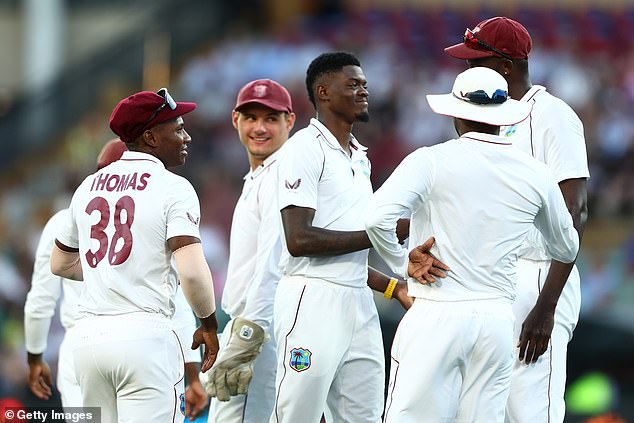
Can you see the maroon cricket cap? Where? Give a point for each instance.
(111, 152)
(503, 34)
(144, 110)
(266, 92)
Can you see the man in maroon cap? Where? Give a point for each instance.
(263, 117)
(133, 234)
(553, 134)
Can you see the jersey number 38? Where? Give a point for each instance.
(118, 248)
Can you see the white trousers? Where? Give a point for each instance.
(67, 382)
(257, 405)
(131, 366)
(329, 353)
(451, 362)
(537, 390)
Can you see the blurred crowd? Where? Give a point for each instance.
(586, 58)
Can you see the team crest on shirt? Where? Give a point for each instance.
(193, 219)
(182, 403)
(300, 359)
(293, 185)
(510, 130)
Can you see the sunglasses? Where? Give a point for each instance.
(481, 97)
(472, 41)
(168, 101)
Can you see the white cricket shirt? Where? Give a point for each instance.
(46, 289)
(120, 219)
(553, 134)
(315, 172)
(479, 197)
(255, 247)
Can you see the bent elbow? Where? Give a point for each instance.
(295, 247)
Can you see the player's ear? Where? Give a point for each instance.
(321, 92)
(290, 120)
(148, 138)
(234, 118)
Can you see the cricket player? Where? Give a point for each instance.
(553, 134)
(263, 117)
(126, 224)
(329, 344)
(452, 355)
(46, 289)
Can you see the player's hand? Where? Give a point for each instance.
(535, 335)
(196, 399)
(207, 334)
(233, 370)
(423, 266)
(402, 230)
(39, 378)
(400, 294)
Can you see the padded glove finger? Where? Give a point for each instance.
(220, 381)
(244, 378)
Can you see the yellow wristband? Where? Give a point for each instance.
(390, 288)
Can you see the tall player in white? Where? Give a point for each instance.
(263, 116)
(549, 293)
(452, 355)
(127, 222)
(329, 343)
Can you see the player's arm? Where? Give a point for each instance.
(196, 398)
(400, 195)
(65, 262)
(389, 287)
(197, 284)
(538, 325)
(305, 240)
(39, 309)
(575, 195)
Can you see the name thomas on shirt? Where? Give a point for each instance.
(115, 182)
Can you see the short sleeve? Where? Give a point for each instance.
(67, 232)
(183, 210)
(564, 142)
(300, 168)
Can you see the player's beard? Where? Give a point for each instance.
(362, 117)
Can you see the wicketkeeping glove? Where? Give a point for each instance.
(231, 373)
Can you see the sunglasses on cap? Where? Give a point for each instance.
(481, 97)
(168, 101)
(472, 41)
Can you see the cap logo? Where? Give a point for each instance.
(260, 90)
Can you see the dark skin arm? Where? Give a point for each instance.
(305, 240)
(379, 281)
(196, 398)
(39, 379)
(207, 332)
(538, 325)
